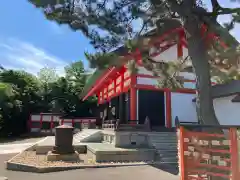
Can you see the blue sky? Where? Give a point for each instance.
(30, 42)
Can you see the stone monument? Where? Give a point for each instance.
(63, 149)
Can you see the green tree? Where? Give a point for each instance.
(110, 24)
(76, 75)
(47, 75)
(19, 97)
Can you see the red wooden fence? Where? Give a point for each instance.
(204, 155)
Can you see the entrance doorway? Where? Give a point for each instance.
(151, 104)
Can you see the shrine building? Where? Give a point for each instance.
(133, 97)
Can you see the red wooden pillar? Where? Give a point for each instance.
(41, 120)
(180, 44)
(133, 100)
(234, 153)
(133, 89)
(30, 123)
(182, 147)
(72, 122)
(51, 125)
(98, 95)
(168, 109)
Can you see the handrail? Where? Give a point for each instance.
(178, 122)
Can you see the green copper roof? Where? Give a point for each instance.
(90, 82)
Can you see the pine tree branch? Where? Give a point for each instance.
(217, 10)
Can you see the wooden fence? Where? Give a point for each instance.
(48, 122)
(208, 152)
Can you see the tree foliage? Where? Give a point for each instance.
(22, 94)
(109, 24)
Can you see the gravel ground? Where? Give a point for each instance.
(119, 173)
(31, 158)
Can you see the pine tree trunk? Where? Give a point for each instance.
(197, 50)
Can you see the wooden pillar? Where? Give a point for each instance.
(41, 121)
(181, 149)
(180, 44)
(121, 109)
(122, 103)
(234, 153)
(133, 100)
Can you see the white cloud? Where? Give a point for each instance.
(16, 54)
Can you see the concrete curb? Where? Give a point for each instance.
(28, 148)
(27, 168)
(32, 147)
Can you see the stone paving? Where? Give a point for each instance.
(13, 148)
(126, 173)
(17, 146)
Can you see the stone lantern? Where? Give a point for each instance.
(63, 140)
(63, 149)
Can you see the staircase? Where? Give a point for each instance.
(88, 135)
(129, 127)
(166, 145)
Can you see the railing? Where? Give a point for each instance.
(109, 124)
(48, 121)
(208, 152)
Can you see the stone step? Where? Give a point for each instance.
(168, 151)
(162, 134)
(165, 144)
(163, 141)
(162, 137)
(169, 159)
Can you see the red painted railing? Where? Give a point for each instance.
(208, 152)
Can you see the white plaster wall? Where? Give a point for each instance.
(185, 52)
(35, 129)
(227, 112)
(143, 70)
(170, 54)
(183, 107)
(187, 75)
(56, 118)
(35, 117)
(67, 123)
(46, 118)
(147, 81)
(154, 82)
(189, 85)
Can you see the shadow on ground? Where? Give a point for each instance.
(172, 169)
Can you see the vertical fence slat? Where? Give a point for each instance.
(41, 121)
(234, 153)
(52, 125)
(181, 151)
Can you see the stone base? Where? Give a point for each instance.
(63, 157)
